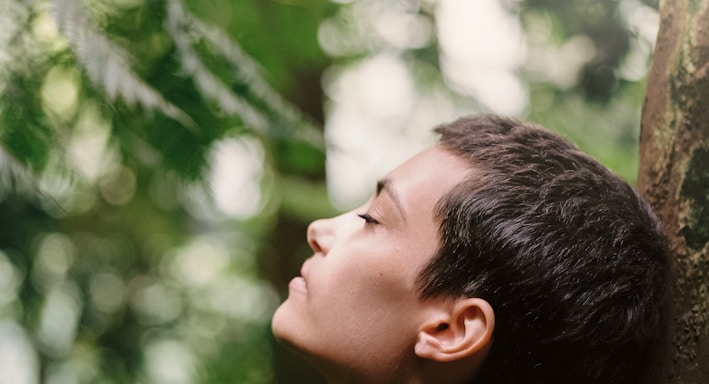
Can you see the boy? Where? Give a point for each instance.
(502, 255)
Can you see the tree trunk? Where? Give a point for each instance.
(674, 177)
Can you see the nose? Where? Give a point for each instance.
(321, 236)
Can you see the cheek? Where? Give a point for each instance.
(356, 302)
(370, 284)
(367, 310)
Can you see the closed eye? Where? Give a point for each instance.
(368, 219)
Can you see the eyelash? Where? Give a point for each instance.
(367, 218)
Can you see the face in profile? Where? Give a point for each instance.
(354, 311)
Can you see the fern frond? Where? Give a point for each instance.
(209, 85)
(108, 65)
(186, 29)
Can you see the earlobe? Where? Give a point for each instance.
(462, 330)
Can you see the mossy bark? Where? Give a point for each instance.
(674, 177)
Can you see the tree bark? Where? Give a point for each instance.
(674, 178)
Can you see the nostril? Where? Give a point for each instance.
(317, 234)
(314, 245)
(312, 235)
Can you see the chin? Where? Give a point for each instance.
(279, 323)
(284, 325)
(290, 332)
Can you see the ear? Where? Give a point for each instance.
(458, 330)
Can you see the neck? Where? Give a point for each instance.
(421, 372)
(396, 373)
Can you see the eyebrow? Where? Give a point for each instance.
(386, 186)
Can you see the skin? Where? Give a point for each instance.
(354, 312)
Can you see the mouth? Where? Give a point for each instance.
(299, 284)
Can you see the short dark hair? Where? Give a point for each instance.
(569, 256)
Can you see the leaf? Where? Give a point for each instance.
(246, 94)
(108, 65)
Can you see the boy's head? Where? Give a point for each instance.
(503, 255)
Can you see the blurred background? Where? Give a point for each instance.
(161, 159)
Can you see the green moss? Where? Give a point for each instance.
(696, 188)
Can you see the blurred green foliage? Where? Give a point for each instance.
(125, 256)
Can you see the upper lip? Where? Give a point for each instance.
(304, 270)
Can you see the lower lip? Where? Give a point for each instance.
(298, 284)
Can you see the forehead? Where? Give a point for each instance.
(425, 178)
